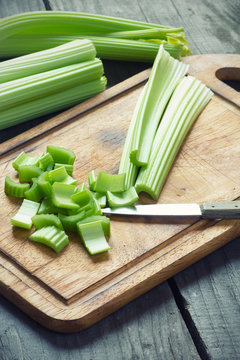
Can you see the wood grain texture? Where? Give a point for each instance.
(79, 289)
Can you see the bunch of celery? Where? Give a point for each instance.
(166, 109)
(114, 38)
(47, 81)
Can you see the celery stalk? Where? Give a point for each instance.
(164, 77)
(51, 103)
(188, 100)
(16, 92)
(67, 54)
(106, 47)
(60, 23)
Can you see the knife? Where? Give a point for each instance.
(215, 210)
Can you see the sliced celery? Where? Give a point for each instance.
(96, 208)
(188, 100)
(68, 167)
(84, 199)
(17, 92)
(47, 207)
(60, 175)
(43, 220)
(69, 222)
(93, 237)
(164, 77)
(108, 182)
(51, 103)
(105, 221)
(91, 180)
(61, 155)
(34, 193)
(101, 199)
(12, 188)
(46, 162)
(52, 237)
(44, 183)
(27, 172)
(23, 217)
(61, 196)
(24, 159)
(126, 198)
(67, 54)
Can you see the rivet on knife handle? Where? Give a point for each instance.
(221, 210)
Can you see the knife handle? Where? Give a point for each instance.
(221, 210)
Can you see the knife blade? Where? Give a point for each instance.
(217, 210)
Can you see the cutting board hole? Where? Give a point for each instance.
(230, 76)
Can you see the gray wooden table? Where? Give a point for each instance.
(196, 314)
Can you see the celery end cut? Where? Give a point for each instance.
(52, 237)
(23, 217)
(126, 198)
(93, 237)
(108, 182)
(61, 196)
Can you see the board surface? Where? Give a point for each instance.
(71, 291)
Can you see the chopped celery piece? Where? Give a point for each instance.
(61, 155)
(43, 220)
(105, 221)
(188, 100)
(164, 77)
(101, 199)
(82, 187)
(60, 175)
(108, 182)
(13, 188)
(84, 199)
(35, 192)
(91, 180)
(61, 196)
(93, 237)
(96, 208)
(50, 103)
(67, 54)
(24, 90)
(24, 159)
(45, 184)
(68, 167)
(51, 236)
(47, 207)
(23, 217)
(69, 222)
(46, 162)
(126, 198)
(27, 172)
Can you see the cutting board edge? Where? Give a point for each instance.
(66, 319)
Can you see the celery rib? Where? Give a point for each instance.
(60, 56)
(188, 100)
(165, 75)
(51, 103)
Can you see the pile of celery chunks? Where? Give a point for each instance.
(54, 203)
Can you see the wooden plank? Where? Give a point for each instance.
(210, 297)
(13, 7)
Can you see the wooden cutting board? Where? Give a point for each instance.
(72, 290)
